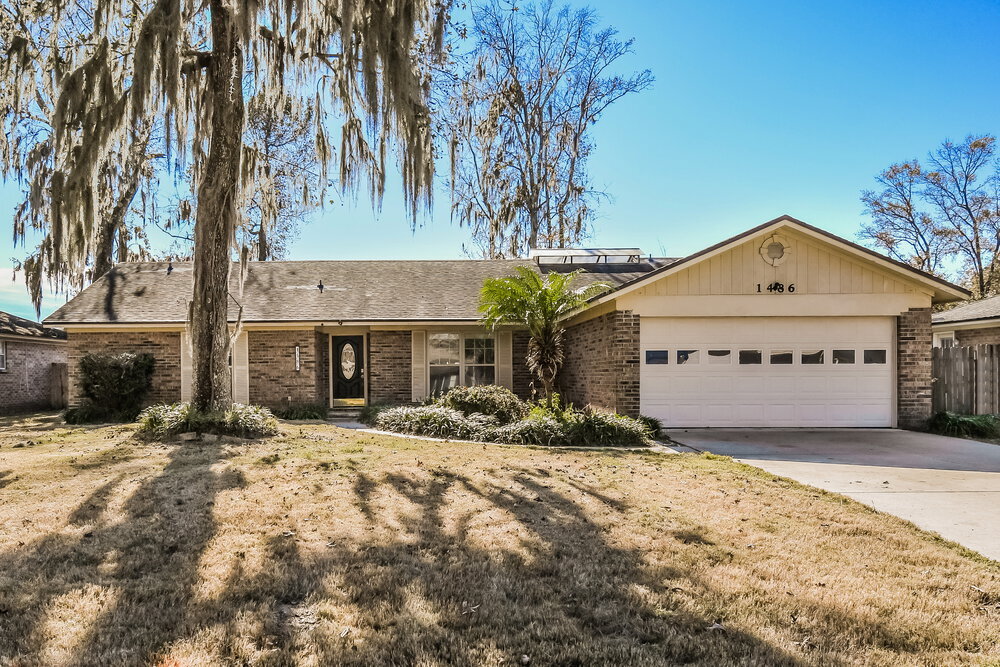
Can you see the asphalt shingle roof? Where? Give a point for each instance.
(983, 309)
(355, 290)
(12, 325)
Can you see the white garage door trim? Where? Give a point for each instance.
(718, 390)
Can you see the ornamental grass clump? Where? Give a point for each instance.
(436, 421)
(244, 421)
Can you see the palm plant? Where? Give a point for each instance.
(541, 303)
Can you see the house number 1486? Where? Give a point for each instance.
(777, 288)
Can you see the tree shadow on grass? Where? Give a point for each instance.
(424, 587)
(145, 567)
(436, 567)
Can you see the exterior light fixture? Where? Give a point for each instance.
(298, 359)
(320, 286)
(170, 267)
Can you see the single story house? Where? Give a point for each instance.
(32, 365)
(782, 325)
(972, 323)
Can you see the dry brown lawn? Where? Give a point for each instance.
(327, 546)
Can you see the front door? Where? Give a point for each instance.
(348, 370)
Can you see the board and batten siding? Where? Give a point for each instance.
(828, 280)
(812, 266)
(241, 369)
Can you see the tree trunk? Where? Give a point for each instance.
(216, 217)
(262, 249)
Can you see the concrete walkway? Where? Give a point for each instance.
(947, 485)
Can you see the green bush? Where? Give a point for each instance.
(653, 425)
(536, 429)
(164, 420)
(245, 421)
(595, 428)
(542, 426)
(113, 386)
(486, 399)
(436, 421)
(965, 426)
(304, 411)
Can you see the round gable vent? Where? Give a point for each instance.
(775, 250)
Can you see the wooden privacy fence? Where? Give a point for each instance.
(966, 379)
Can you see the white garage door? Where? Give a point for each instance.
(767, 371)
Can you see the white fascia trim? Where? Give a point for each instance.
(31, 339)
(968, 324)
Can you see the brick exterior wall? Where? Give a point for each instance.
(990, 336)
(913, 367)
(165, 346)
(274, 382)
(27, 382)
(389, 367)
(602, 363)
(521, 375)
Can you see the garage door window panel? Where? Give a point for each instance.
(781, 357)
(812, 357)
(720, 357)
(657, 356)
(751, 357)
(874, 356)
(843, 356)
(687, 356)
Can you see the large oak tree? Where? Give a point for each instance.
(101, 72)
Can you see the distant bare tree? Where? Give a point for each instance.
(521, 108)
(285, 187)
(960, 192)
(897, 226)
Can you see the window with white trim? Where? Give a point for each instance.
(3, 356)
(457, 359)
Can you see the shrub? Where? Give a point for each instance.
(965, 426)
(245, 421)
(304, 411)
(113, 387)
(249, 421)
(653, 425)
(536, 429)
(486, 399)
(435, 421)
(594, 427)
(556, 426)
(163, 420)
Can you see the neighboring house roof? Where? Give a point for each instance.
(12, 325)
(943, 290)
(278, 291)
(984, 309)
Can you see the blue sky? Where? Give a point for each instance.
(758, 109)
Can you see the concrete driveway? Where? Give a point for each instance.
(947, 485)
